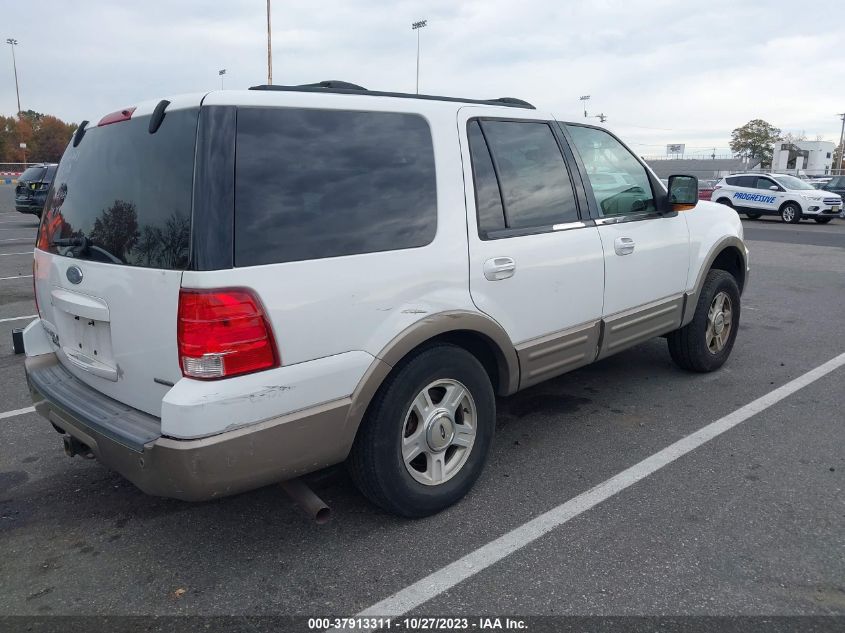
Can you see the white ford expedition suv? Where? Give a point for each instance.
(777, 194)
(241, 287)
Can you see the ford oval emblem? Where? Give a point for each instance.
(74, 274)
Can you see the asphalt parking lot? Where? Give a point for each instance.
(749, 523)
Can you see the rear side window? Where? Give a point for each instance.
(488, 200)
(733, 181)
(123, 195)
(746, 181)
(311, 184)
(534, 181)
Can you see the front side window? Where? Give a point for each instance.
(312, 184)
(619, 181)
(791, 182)
(536, 191)
(764, 183)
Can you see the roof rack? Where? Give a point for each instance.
(335, 86)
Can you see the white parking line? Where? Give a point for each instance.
(11, 414)
(444, 579)
(15, 277)
(31, 316)
(15, 239)
(24, 253)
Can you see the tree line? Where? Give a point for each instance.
(45, 136)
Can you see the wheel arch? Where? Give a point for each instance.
(728, 254)
(480, 335)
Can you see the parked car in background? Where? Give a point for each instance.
(836, 185)
(706, 188)
(793, 199)
(276, 280)
(32, 187)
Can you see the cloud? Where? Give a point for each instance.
(662, 71)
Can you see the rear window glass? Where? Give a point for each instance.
(123, 195)
(33, 174)
(311, 184)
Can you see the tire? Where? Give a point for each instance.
(753, 216)
(790, 213)
(691, 346)
(377, 463)
(822, 220)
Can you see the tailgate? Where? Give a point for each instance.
(116, 329)
(111, 249)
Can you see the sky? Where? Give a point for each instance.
(661, 71)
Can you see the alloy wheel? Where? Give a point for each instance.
(719, 323)
(438, 432)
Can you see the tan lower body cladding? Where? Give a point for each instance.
(558, 353)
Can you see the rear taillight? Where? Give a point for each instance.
(223, 333)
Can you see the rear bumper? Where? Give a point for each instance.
(130, 441)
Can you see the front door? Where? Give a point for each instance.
(646, 254)
(536, 265)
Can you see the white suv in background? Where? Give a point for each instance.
(789, 197)
(241, 287)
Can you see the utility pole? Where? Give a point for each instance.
(416, 26)
(221, 72)
(584, 99)
(841, 143)
(269, 49)
(13, 42)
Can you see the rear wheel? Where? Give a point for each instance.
(705, 343)
(754, 216)
(822, 220)
(725, 202)
(427, 434)
(790, 213)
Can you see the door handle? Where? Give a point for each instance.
(499, 268)
(623, 245)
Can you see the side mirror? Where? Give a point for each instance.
(683, 192)
(774, 188)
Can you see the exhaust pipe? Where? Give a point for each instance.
(307, 500)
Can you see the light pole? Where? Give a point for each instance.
(221, 72)
(841, 142)
(269, 49)
(584, 99)
(13, 42)
(416, 26)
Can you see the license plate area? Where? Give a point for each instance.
(84, 338)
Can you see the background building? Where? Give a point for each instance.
(815, 158)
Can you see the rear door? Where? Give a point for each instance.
(536, 266)
(646, 253)
(111, 249)
(764, 198)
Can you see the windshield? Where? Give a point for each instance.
(123, 195)
(32, 174)
(791, 182)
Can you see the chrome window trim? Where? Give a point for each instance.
(568, 226)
